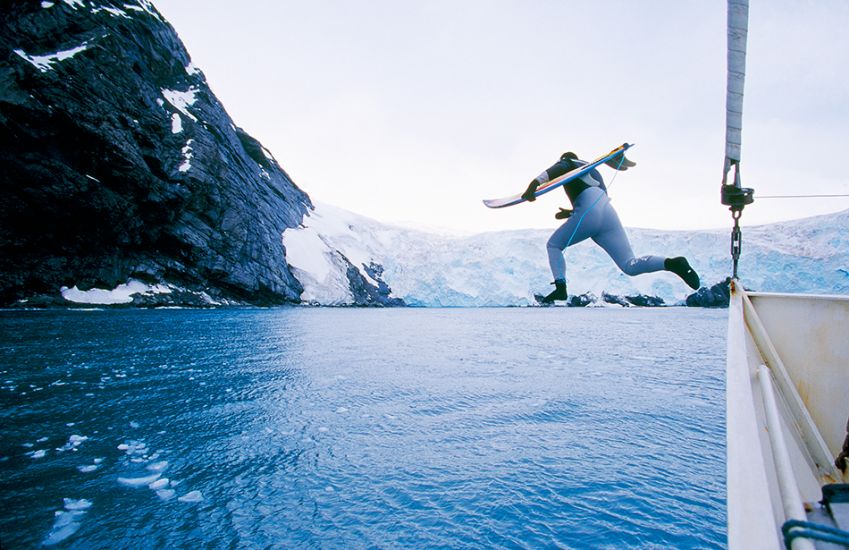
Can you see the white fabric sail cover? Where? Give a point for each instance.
(738, 24)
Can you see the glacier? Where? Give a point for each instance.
(506, 268)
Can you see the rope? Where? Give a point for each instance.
(794, 528)
(587, 211)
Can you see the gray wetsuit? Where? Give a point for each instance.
(593, 217)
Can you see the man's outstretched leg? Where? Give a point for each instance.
(681, 267)
(614, 241)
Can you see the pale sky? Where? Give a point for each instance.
(413, 112)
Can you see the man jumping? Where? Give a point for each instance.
(592, 216)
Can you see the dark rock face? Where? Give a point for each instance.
(719, 295)
(367, 294)
(582, 300)
(614, 299)
(639, 300)
(643, 300)
(118, 162)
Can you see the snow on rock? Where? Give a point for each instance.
(45, 63)
(321, 252)
(507, 268)
(187, 157)
(114, 12)
(181, 100)
(176, 124)
(122, 294)
(143, 6)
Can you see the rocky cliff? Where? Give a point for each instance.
(118, 163)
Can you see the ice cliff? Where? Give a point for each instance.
(507, 268)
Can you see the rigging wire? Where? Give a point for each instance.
(800, 196)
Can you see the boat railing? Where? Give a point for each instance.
(811, 436)
(791, 498)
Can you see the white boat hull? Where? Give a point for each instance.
(787, 376)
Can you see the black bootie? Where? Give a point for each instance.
(558, 294)
(681, 267)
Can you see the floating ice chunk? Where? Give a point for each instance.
(41, 453)
(132, 447)
(134, 424)
(138, 481)
(41, 439)
(47, 4)
(73, 442)
(193, 496)
(88, 468)
(67, 520)
(176, 124)
(45, 63)
(74, 3)
(61, 532)
(181, 100)
(158, 466)
(81, 504)
(166, 494)
(160, 483)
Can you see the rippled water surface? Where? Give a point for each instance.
(352, 428)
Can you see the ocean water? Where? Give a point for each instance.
(363, 428)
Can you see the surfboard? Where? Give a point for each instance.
(615, 159)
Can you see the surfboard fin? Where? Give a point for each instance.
(620, 164)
